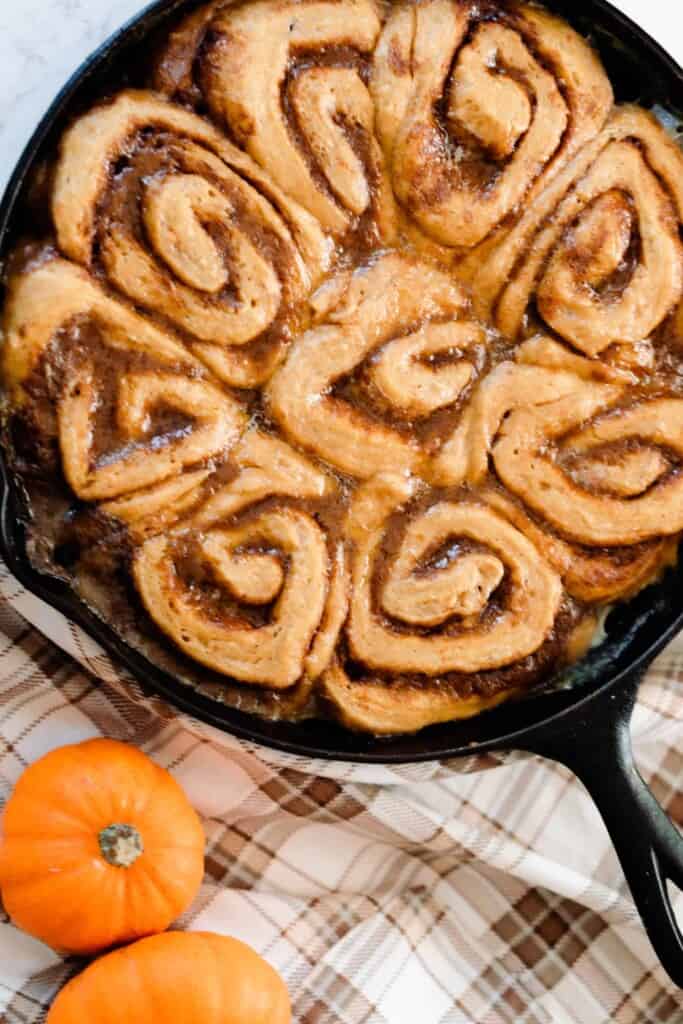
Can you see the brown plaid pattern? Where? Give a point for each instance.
(430, 894)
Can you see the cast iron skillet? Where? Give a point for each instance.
(583, 723)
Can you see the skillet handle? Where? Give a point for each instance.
(597, 748)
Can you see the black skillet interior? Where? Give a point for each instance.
(640, 71)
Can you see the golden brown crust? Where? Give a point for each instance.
(310, 126)
(393, 312)
(623, 186)
(390, 711)
(518, 96)
(278, 554)
(463, 589)
(648, 508)
(150, 369)
(197, 235)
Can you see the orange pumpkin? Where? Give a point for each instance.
(99, 846)
(177, 978)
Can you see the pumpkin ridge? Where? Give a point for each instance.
(63, 823)
(161, 885)
(63, 918)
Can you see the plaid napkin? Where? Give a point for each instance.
(429, 894)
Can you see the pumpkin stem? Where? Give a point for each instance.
(120, 845)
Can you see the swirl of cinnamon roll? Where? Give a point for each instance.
(154, 509)
(444, 590)
(476, 115)
(593, 575)
(543, 371)
(604, 474)
(547, 376)
(161, 414)
(397, 323)
(599, 253)
(289, 79)
(250, 585)
(185, 224)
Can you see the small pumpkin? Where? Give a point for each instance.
(99, 846)
(176, 978)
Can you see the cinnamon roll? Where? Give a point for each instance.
(289, 81)
(605, 473)
(598, 257)
(252, 589)
(344, 375)
(447, 598)
(162, 413)
(182, 222)
(477, 113)
(546, 379)
(353, 388)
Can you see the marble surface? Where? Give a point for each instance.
(43, 41)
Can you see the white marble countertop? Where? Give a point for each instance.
(43, 41)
